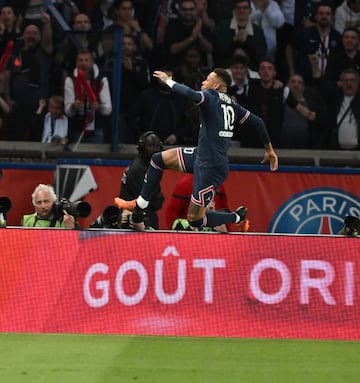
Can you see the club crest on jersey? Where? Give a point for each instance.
(315, 211)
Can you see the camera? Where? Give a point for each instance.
(5, 204)
(114, 218)
(109, 218)
(351, 226)
(77, 209)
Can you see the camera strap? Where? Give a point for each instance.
(52, 221)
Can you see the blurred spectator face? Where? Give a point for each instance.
(81, 23)
(7, 16)
(187, 12)
(129, 46)
(324, 16)
(267, 71)
(354, 5)
(349, 82)
(31, 36)
(43, 203)
(296, 84)
(192, 58)
(238, 72)
(55, 109)
(106, 42)
(350, 40)
(201, 5)
(242, 11)
(125, 11)
(84, 62)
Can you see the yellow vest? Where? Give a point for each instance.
(31, 220)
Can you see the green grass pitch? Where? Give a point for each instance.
(41, 358)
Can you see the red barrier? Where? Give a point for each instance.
(191, 284)
(277, 202)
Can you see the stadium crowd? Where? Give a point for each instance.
(295, 64)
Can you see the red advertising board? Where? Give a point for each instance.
(307, 201)
(188, 284)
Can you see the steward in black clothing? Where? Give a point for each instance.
(133, 177)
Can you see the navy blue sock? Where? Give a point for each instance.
(217, 218)
(153, 176)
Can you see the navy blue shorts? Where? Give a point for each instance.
(206, 179)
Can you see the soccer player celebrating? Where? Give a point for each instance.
(219, 114)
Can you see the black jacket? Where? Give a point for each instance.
(131, 184)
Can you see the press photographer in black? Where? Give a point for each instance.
(351, 226)
(133, 177)
(52, 213)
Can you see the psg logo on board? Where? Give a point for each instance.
(315, 211)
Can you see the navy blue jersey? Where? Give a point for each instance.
(218, 115)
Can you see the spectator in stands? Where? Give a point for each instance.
(220, 10)
(27, 78)
(343, 108)
(156, 19)
(85, 40)
(239, 31)
(46, 215)
(304, 130)
(202, 10)
(9, 27)
(178, 204)
(305, 13)
(54, 123)
(240, 75)
(135, 78)
(162, 111)
(267, 98)
(348, 56)
(347, 14)
(133, 177)
(269, 17)
(267, 101)
(87, 101)
(189, 70)
(188, 30)
(33, 9)
(284, 37)
(99, 14)
(124, 17)
(240, 52)
(320, 39)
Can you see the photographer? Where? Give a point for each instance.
(46, 214)
(351, 226)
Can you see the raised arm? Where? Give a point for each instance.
(194, 95)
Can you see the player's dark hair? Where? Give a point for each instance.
(224, 75)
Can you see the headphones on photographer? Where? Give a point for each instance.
(142, 140)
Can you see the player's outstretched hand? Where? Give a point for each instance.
(162, 76)
(272, 158)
